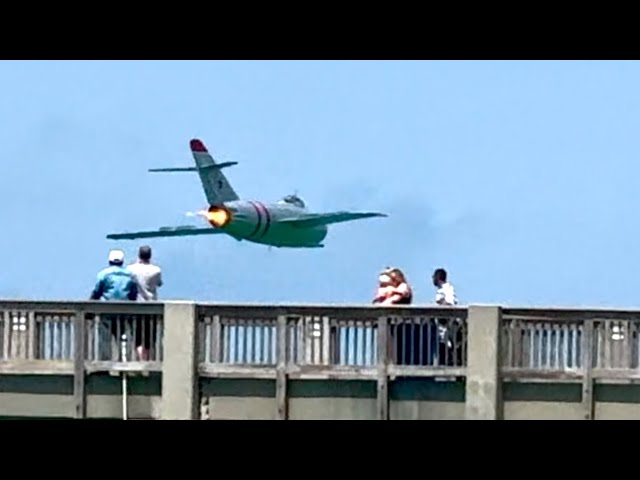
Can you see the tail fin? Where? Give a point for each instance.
(216, 186)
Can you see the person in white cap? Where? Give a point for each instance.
(113, 283)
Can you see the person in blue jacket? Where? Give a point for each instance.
(114, 283)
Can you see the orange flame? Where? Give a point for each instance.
(218, 217)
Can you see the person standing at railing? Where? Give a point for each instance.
(416, 342)
(393, 288)
(113, 283)
(450, 335)
(149, 278)
(445, 293)
(406, 335)
(397, 290)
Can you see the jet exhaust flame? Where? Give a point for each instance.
(218, 217)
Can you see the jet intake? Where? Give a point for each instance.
(218, 216)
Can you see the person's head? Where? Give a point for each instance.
(144, 253)
(116, 257)
(397, 276)
(439, 277)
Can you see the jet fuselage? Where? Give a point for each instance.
(261, 223)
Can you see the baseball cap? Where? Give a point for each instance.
(116, 256)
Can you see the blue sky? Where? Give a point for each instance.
(518, 177)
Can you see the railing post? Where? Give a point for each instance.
(587, 368)
(79, 370)
(33, 335)
(383, 361)
(6, 342)
(180, 362)
(483, 385)
(282, 410)
(327, 358)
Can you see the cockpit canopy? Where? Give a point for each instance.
(293, 200)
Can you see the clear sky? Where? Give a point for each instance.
(519, 177)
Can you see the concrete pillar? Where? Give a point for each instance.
(483, 385)
(282, 401)
(383, 363)
(179, 364)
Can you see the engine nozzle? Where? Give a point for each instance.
(218, 216)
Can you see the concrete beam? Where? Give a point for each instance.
(483, 385)
(179, 363)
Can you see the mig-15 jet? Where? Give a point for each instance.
(284, 223)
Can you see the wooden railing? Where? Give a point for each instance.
(330, 342)
(564, 343)
(325, 342)
(539, 343)
(44, 337)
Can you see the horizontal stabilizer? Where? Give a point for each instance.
(182, 231)
(177, 169)
(222, 165)
(316, 219)
(216, 166)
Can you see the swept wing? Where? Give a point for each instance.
(181, 231)
(316, 219)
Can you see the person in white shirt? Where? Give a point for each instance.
(148, 278)
(445, 295)
(450, 331)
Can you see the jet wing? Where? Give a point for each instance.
(181, 231)
(315, 219)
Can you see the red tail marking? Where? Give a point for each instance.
(197, 146)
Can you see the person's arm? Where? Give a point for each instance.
(379, 296)
(451, 297)
(159, 278)
(98, 289)
(136, 286)
(380, 299)
(133, 289)
(402, 290)
(384, 293)
(391, 300)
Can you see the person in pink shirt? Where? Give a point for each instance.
(403, 294)
(393, 288)
(385, 288)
